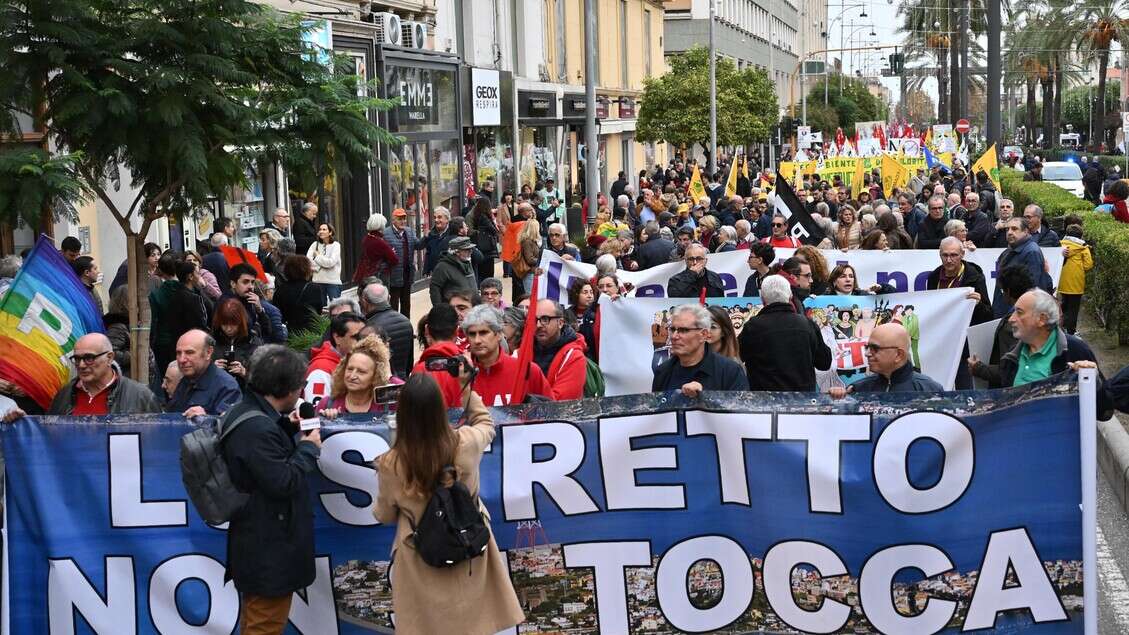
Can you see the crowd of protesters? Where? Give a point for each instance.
(214, 322)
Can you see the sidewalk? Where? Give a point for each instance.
(421, 300)
(1113, 435)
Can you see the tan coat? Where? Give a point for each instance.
(472, 597)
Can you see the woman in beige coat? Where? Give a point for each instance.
(476, 595)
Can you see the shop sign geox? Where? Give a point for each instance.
(486, 97)
(416, 89)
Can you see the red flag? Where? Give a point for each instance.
(881, 133)
(238, 255)
(840, 138)
(525, 351)
(702, 297)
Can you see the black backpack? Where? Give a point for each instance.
(452, 528)
(205, 473)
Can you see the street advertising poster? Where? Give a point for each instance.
(732, 513)
(635, 332)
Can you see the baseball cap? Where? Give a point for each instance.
(399, 211)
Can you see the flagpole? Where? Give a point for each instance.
(713, 98)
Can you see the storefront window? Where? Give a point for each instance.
(244, 205)
(446, 167)
(542, 151)
(494, 158)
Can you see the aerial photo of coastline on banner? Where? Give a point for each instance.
(904, 270)
(737, 513)
(635, 336)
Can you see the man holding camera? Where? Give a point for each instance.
(439, 331)
(270, 542)
(204, 388)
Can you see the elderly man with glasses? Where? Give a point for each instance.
(558, 243)
(693, 365)
(695, 280)
(100, 388)
(932, 229)
(280, 222)
(888, 359)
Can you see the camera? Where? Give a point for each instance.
(229, 357)
(449, 364)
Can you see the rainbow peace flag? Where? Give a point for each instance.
(45, 311)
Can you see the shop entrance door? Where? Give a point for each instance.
(409, 178)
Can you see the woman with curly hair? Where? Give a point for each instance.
(848, 231)
(819, 270)
(356, 379)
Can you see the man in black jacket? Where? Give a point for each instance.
(454, 271)
(690, 282)
(655, 250)
(378, 312)
(270, 542)
(956, 272)
(618, 185)
(932, 228)
(305, 229)
(887, 358)
(1092, 180)
(780, 348)
(693, 365)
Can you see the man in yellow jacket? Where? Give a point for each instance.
(1077, 260)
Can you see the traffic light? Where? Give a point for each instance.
(897, 63)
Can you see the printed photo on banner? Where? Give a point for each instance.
(635, 333)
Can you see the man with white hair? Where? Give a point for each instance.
(305, 228)
(693, 365)
(378, 312)
(695, 280)
(558, 243)
(1044, 349)
(780, 348)
(435, 243)
(745, 236)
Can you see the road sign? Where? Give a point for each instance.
(963, 126)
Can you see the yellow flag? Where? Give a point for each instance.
(731, 182)
(857, 179)
(929, 137)
(894, 175)
(987, 162)
(697, 189)
(745, 167)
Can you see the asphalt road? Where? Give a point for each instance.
(1113, 562)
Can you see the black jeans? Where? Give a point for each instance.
(1071, 303)
(401, 299)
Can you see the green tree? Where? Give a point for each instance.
(182, 94)
(852, 103)
(675, 107)
(1104, 22)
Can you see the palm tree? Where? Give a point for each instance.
(1103, 25)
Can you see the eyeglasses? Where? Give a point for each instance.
(874, 348)
(684, 330)
(546, 320)
(87, 359)
(933, 208)
(778, 224)
(695, 259)
(803, 275)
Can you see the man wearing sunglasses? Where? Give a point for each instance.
(100, 388)
(887, 358)
(780, 238)
(695, 279)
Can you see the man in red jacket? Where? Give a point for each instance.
(497, 372)
(559, 352)
(442, 324)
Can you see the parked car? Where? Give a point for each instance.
(1065, 174)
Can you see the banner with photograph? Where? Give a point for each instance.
(904, 270)
(635, 337)
(735, 513)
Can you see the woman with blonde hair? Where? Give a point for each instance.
(356, 378)
(848, 231)
(529, 253)
(429, 453)
(707, 232)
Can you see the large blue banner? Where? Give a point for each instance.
(739, 512)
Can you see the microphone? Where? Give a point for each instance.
(308, 419)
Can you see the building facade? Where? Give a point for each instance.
(759, 33)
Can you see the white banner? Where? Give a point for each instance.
(634, 332)
(904, 270)
(944, 139)
(869, 143)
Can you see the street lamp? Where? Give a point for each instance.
(1090, 109)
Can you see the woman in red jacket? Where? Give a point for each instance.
(377, 256)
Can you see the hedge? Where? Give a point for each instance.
(1107, 284)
